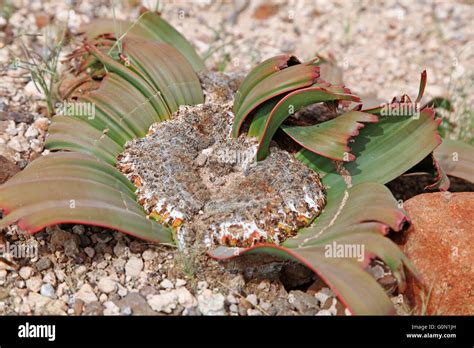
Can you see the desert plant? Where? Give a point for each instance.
(82, 185)
(154, 73)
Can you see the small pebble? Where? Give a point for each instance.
(180, 282)
(134, 266)
(48, 291)
(107, 285)
(43, 264)
(89, 252)
(252, 298)
(26, 272)
(166, 284)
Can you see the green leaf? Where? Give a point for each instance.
(361, 203)
(75, 188)
(69, 133)
(261, 72)
(371, 243)
(78, 160)
(403, 140)
(421, 90)
(124, 107)
(260, 117)
(121, 113)
(289, 105)
(148, 26)
(283, 81)
(167, 70)
(330, 139)
(152, 95)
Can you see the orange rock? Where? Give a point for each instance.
(440, 243)
(41, 20)
(265, 11)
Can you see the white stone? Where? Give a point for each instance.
(80, 270)
(252, 298)
(36, 145)
(133, 267)
(89, 252)
(126, 311)
(111, 308)
(32, 132)
(42, 124)
(185, 298)
(265, 305)
(119, 249)
(253, 312)
(166, 284)
(30, 90)
(56, 307)
(122, 291)
(60, 289)
(37, 301)
(333, 309)
(22, 128)
(180, 282)
(50, 278)
(18, 143)
(201, 285)
(231, 299)
(86, 294)
(102, 264)
(34, 284)
(48, 291)
(107, 285)
(11, 129)
(25, 308)
(323, 294)
(210, 303)
(149, 255)
(164, 302)
(324, 312)
(377, 271)
(26, 272)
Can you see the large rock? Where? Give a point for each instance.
(440, 243)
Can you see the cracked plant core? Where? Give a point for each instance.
(190, 174)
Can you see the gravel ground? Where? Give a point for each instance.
(88, 270)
